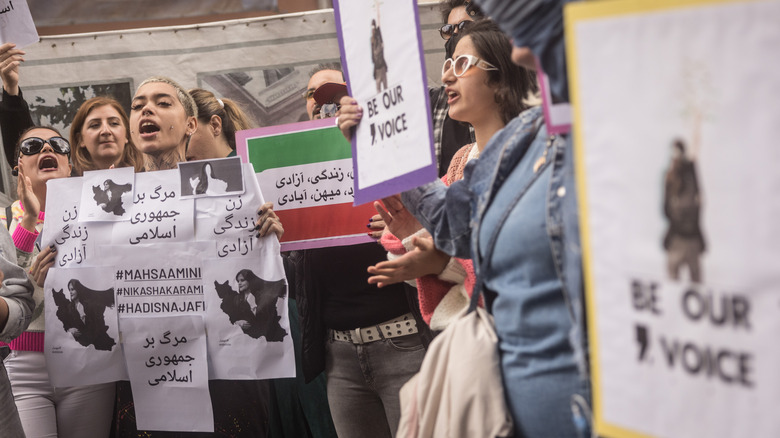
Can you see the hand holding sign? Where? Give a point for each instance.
(349, 116)
(10, 58)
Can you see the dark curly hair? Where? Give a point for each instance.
(471, 9)
(514, 83)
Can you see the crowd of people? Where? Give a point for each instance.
(502, 221)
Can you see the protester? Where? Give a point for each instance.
(345, 327)
(163, 118)
(521, 231)
(449, 135)
(485, 91)
(320, 75)
(14, 113)
(16, 309)
(44, 410)
(218, 122)
(100, 132)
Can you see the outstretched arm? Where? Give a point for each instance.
(423, 260)
(14, 112)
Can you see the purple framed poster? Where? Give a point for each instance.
(382, 55)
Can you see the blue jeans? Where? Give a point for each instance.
(364, 382)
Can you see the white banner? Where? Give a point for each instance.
(164, 263)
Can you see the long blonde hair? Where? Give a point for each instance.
(233, 117)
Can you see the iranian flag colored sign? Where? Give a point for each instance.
(305, 169)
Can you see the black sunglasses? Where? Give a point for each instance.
(34, 145)
(447, 30)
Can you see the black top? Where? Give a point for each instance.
(15, 118)
(348, 301)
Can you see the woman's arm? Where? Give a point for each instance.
(16, 301)
(445, 212)
(14, 112)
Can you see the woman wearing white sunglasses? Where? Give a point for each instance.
(485, 90)
(512, 213)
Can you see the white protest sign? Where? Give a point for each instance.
(16, 23)
(162, 282)
(154, 280)
(246, 318)
(675, 122)
(158, 214)
(76, 241)
(166, 360)
(311, 184)
(81, 328)
(107, 195)
(229, 221)
(385, 71)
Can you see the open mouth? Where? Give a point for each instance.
(148, 128)
(48, 163)
(451, 96)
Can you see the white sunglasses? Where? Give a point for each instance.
(462, 63)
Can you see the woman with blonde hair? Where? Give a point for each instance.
(218, 122)
(163, 121)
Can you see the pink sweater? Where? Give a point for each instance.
(32, 338)
(432, 289)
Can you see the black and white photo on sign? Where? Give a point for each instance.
(247, 317)
(82, 344)
(81, 311)
(252, 304)
(211, 177)
(107, 195)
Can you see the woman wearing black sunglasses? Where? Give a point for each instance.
(44, 155)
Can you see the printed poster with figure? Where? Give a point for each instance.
(381, 50)
(81, 327)
(306, 170)
(145, 278)
(246, 313)
(674, 126)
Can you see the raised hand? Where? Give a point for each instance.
(397, 218)
(10, 58)
(32, 206)
(348, 116)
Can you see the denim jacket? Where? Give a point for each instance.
(455, 228)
